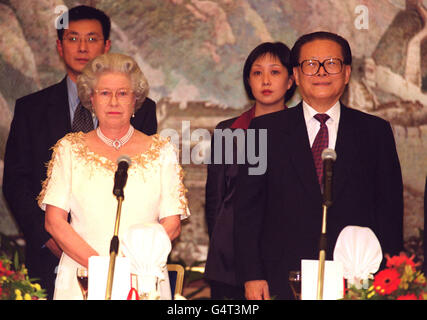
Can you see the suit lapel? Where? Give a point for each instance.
(346, 149)
(301, 156)
(58, 115)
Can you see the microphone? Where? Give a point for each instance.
(121, 175)
(328, 158)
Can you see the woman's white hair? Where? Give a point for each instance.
(111, 62)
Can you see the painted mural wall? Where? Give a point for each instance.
(193, 51)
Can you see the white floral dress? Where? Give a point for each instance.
(81, 182)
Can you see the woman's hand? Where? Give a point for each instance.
(172, 226)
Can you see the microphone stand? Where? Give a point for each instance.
(327, 202)
(114, 249)
(322, 255)
(119, 183)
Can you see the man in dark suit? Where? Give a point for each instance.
(39, 121)
(279, 214)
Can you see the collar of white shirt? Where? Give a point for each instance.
(313, 125)
(73, 97)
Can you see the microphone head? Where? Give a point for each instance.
(329, 154)
(124, 158)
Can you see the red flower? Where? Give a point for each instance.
(386, 281)
(18, 276)
(409, 296)
(402, 259)
(5, 272)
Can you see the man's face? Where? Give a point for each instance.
(81, 42)
(321, 90)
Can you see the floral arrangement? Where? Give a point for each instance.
(15, 284)
(399, 281)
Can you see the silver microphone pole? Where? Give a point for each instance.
(328, 158)
(120, 178)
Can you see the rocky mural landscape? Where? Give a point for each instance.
(192, 53)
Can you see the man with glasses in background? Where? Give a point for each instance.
(279, 214)
(40, 120)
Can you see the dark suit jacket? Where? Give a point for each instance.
(278, 214)
(220, 188)
(39, 121)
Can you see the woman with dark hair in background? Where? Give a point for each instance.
(268, 80)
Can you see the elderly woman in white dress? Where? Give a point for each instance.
(81, 172)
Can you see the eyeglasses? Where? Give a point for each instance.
(123, 96)
(94, 39)
(311, 67)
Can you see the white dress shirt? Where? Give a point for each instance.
(313, 125)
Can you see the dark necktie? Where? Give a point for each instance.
(320, 143)
(82, 120)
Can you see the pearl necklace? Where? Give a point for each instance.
(116, 143)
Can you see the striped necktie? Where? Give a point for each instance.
(82, 120)
(320, 143)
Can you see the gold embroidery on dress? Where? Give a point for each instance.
(143, 160)
(49, 166)
(90, 157)
(182, 191)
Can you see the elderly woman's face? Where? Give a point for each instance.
(113, 100)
